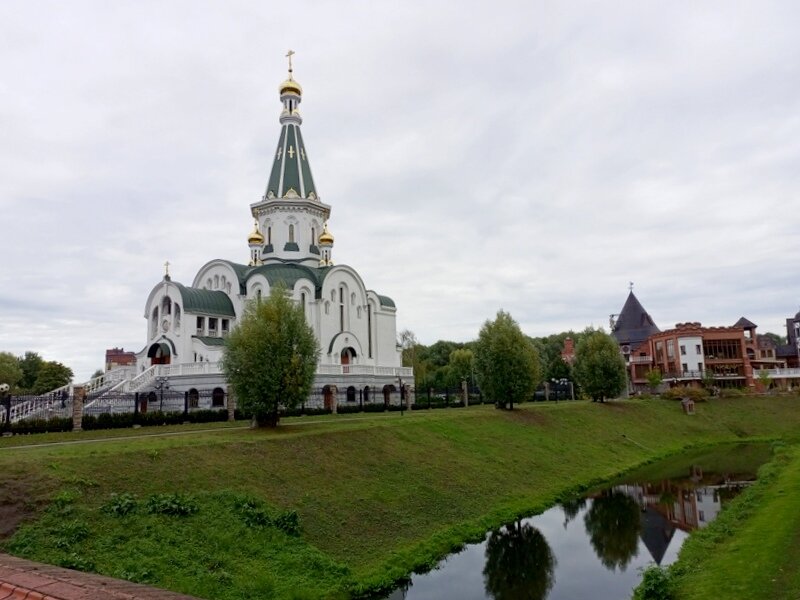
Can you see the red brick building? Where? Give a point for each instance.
(118, 357)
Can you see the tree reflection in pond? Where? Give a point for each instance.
(612, 523)
(571, 509)
(519, 564)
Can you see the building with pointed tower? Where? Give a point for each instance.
(290, 243)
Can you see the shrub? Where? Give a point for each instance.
(679, 393)
(253, 512)
(176, 505)
(69, 533)
(42, 425)
(121, 505)
(655, 585)
(288, 522)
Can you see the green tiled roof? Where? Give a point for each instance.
(210, 341)
(205, 301)
(290, 168)
(386, 301)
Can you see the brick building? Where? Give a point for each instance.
(118, 357)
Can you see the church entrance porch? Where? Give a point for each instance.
(159, 354)
(347, 356)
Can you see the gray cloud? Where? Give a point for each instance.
(517, 155)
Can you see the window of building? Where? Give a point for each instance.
(670, 348)
(225, 327)
(685, 367)
(212, 326)
(291, 234)
(698, 349)
(683, 350)
(369, 330)
(201, 325)
(313, 235)
(194, 398)
(269, 235)
(303, 302)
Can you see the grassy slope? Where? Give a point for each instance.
(752, 550)
(376, 495)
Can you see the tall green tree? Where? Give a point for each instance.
(506, 363)
(52, 374)
(10, 371)
(462, 366)
(271, 357)
(599, 367)
(30, 363)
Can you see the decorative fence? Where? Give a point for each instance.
(114, 408)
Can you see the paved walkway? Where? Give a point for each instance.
(23, 579)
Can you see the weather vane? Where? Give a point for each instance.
(289, 56)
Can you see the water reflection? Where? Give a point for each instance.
(612, 523)
(593, 546)
(519, 563)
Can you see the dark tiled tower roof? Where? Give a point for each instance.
(745, 323)
(634, 325)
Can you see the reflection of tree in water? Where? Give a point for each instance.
(519, 564)
(571, 509)
(612, 523)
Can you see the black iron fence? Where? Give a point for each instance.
(54, 412)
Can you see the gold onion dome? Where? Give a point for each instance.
(255, 236)
(290, 86)
(325, 237)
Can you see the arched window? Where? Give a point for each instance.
(353, 298)
(166, 306)
(366, 394)
(209, 284)
(224, 281)
(291, 234)
(341, 309)
(303, 302)
(313, 236)
(177, 322)
(194, 398)
(351, 394)
(258, 294)
(218, 397)
(154, 322)
(269, 235)
(216, 282)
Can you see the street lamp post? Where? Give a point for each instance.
(162, 383)
(6, 396)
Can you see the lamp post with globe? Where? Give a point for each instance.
(6, 397)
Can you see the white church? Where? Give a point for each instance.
(290, 243)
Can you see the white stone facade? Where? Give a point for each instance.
(354, 326)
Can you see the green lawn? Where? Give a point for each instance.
(752, 550)
(377, 495)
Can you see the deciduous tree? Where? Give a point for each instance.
(506, 363)
(271, 357)
(599, 367)
(10, 371)
(52, 375)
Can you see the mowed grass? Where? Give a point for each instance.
(752, 550)
(377, 495)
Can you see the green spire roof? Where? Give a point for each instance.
(291, 174)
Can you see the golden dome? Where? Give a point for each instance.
(255, 236)
(325, 237)
(290, 86)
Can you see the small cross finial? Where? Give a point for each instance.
(166, 269)
(630, 286)
(289, 56)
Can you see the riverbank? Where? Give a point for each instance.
(753, 549)
(375, 496)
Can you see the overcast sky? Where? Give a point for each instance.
(529, 156)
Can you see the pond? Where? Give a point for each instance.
(595, 546)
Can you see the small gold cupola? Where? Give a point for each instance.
(255, 240)
(325, 245)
